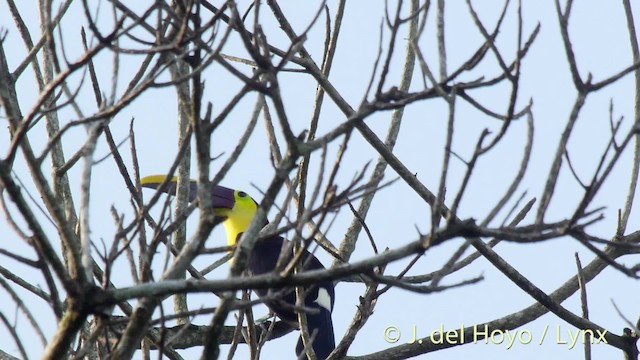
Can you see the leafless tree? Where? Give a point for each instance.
(256, 53)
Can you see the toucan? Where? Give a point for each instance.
(238, 209)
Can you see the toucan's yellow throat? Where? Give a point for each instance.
(238, 217)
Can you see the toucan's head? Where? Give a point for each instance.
(235, 206)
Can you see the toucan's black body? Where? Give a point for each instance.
(319, 298)
(264, 258)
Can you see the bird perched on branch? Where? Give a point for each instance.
(238, 209)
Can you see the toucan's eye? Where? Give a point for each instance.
(242, 194)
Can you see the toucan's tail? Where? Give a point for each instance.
(324, 341)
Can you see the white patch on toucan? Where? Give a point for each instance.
(324, 299)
